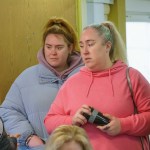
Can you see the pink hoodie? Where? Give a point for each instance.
(107, 92)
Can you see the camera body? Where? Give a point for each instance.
(96, 117)
(6, 142)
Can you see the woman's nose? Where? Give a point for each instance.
(85, 50)
(53, 50)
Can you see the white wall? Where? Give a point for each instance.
(95, 11)
(138, 35)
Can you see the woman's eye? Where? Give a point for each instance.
(81, 46)
(59, 48)
(90, 44)
(48, 47)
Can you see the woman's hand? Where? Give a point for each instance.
(78, 118)
(113, 128)
(35, 141)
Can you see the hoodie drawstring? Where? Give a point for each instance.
(90, 84)
(110, 79)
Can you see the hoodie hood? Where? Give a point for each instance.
(74, 62)
(117, 66)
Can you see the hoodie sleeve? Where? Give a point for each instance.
(14, 116)
(57, 115)
(138, 124)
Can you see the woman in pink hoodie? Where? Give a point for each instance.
(102, 84)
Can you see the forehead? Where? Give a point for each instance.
(89, 34)
(56, 37)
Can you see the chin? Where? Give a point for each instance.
(54, 65)
(89, 67)
(92, 68)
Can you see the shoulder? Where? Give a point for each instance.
(27, 77)
(31, 71)
(34, 71)
(134, 73)
(137, 77)
(34, 75)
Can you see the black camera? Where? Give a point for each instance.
(6, 142)
(96, 117)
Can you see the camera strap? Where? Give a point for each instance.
(93, 116)
(142, 138)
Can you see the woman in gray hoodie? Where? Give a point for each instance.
(32, 93)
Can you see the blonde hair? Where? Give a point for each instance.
(110, 33)
(61, 26)
(67, 133)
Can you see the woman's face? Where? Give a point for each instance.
(71, 146)
(94, 51)
(56, 51)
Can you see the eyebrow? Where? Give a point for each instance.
(55, 45)
(90, 40)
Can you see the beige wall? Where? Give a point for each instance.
(21, 24)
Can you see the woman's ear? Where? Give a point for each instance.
(108, 46)
(70, 48)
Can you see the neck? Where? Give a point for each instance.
(61, 69)
(110, 64)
